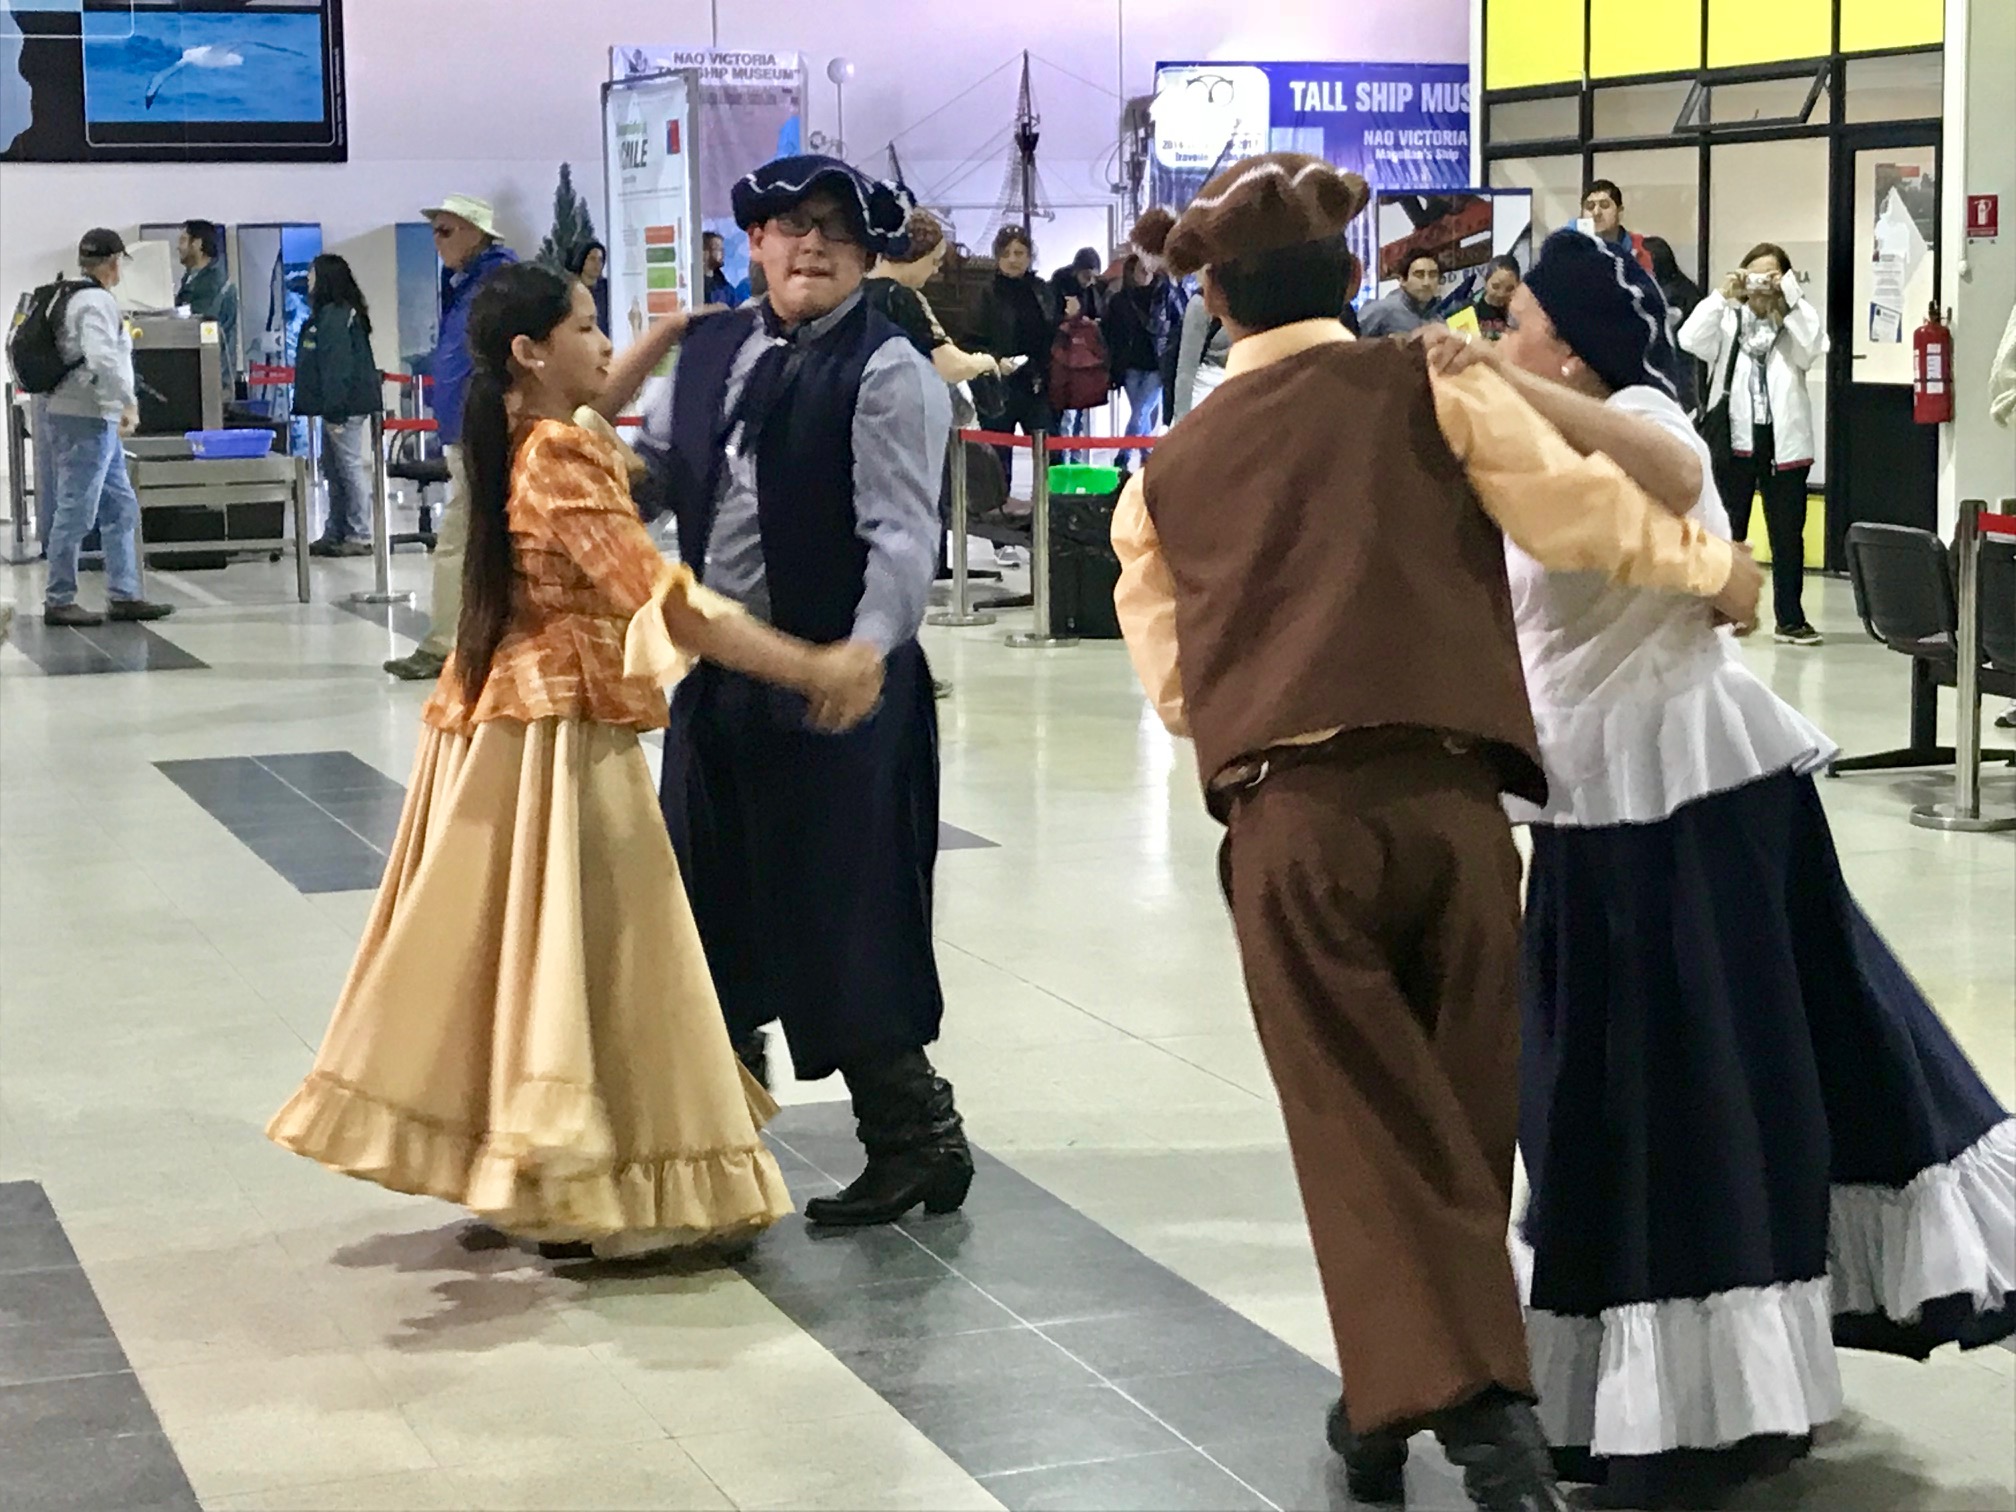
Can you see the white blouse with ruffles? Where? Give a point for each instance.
(1641, 703)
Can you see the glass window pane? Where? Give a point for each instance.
(1909, 87)
(1765, 100)
(1775, 192)
(1662, 197)
(1556, 183)
(1636, 110)
(1535, 120)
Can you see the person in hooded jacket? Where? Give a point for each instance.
(336, 377)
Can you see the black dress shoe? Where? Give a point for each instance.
(70, 614)
(137, 609)
(1375, 1464)
(1495, 1440)
(550, 1249)
(892, 1185)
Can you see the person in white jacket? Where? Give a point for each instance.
(1759, 335)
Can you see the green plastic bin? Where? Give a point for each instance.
(1075, 478)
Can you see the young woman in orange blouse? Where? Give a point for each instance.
(529, 1029)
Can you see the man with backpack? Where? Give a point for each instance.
(73, 345)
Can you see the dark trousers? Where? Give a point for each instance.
(1375, 895)
(1025, 411)
(1739, 480)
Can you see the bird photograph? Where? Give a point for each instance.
(185, 66)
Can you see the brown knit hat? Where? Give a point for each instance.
(1262, 205)
(1151, 232)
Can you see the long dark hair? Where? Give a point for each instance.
(527, 300)
(336, 284)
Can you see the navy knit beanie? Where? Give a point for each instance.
(1606, 308)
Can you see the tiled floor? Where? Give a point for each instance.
(1126, 1316)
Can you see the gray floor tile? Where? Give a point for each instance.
(1295, 1471)
(863, 1317)
(83, 651)
(136, 1473)
(81, 1407)
(992, 1431)
(953, 838)
(794, 1258)
(24, 1202)
(32, 1246)
(1184, 1481)
(48, 1297)
(1208, 1337)
(1235, 1406)
(59, 1351)
(1019, 1362)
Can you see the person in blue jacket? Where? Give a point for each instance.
(336, 377)
(465, 235)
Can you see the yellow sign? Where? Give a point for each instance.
(1465, 320)
(208, 335)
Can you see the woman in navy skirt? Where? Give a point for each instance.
(1749, 1139)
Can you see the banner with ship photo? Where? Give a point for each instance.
(654, 257)
(751, 109)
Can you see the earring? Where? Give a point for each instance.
(1565, 369)
(540, 363)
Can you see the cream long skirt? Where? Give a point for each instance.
(529, 1029)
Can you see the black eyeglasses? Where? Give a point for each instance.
(835, 226)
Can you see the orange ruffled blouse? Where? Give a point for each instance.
(582, 567)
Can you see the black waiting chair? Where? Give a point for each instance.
(1904, 593)
(1998, 605)
(409, 463)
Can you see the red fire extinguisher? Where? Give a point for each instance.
(1932, 371)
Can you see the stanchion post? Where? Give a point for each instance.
(962, 611)
(1039, 551)
(1964, 813)
(17, 470)
(381, 528)
(301, 487)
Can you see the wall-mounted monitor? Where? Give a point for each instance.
(171, 81)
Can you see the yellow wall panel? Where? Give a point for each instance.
(1532, 42)
(1630, 37)
(1873, 25)
(1741, 32)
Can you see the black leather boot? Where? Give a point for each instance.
(916, 1146)
(1375, 1464)
(1495, 1440)
(754, 1053)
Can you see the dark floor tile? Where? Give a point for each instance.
(401, 619)
(82, 1407)
(1184, 1481)
(1206, 1338)
(794, 1257)
(953, 838)
(1295, 1471)
(989, 1430)
(137, 1473)
(82, 651)
(33, 1246)
(1019, 1363)
(322, 775)
(1234, 1406)
(865, 1316)
(25, 1202)
(220, 777)
(49, 1297)
(58, 1351)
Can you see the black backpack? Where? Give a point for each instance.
(35, 349)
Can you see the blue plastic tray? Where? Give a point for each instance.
(218, 445)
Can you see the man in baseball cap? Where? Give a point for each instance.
(1313, 589)
(85, 418)
(465, 236)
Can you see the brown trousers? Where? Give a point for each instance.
(1375, 893)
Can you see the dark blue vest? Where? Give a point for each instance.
(813, 560)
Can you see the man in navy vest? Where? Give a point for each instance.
(800, 451)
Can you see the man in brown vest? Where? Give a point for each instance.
(1313, 590)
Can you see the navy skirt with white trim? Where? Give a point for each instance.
(1748, 1136)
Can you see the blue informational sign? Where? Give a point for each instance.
(1400, 125)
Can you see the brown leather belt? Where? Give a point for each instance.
(1242, 777)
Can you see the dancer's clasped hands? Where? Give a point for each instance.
(845, 685)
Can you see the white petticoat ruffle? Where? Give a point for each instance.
(1636, 760)
(1951, 1232)
(1702, 1373)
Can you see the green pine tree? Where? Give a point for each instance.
(573, 225)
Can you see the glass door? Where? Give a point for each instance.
(1885, 246)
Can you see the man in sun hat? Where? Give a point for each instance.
(465, 236)
(800, 450)
(1313, 589)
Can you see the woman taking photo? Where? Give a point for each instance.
(336, 378)
(529, 1029)
(1759, 334)
(1748, 1135)
(1017, 319)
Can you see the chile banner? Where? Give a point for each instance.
(1398, 125)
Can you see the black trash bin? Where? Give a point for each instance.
(1083, 567)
